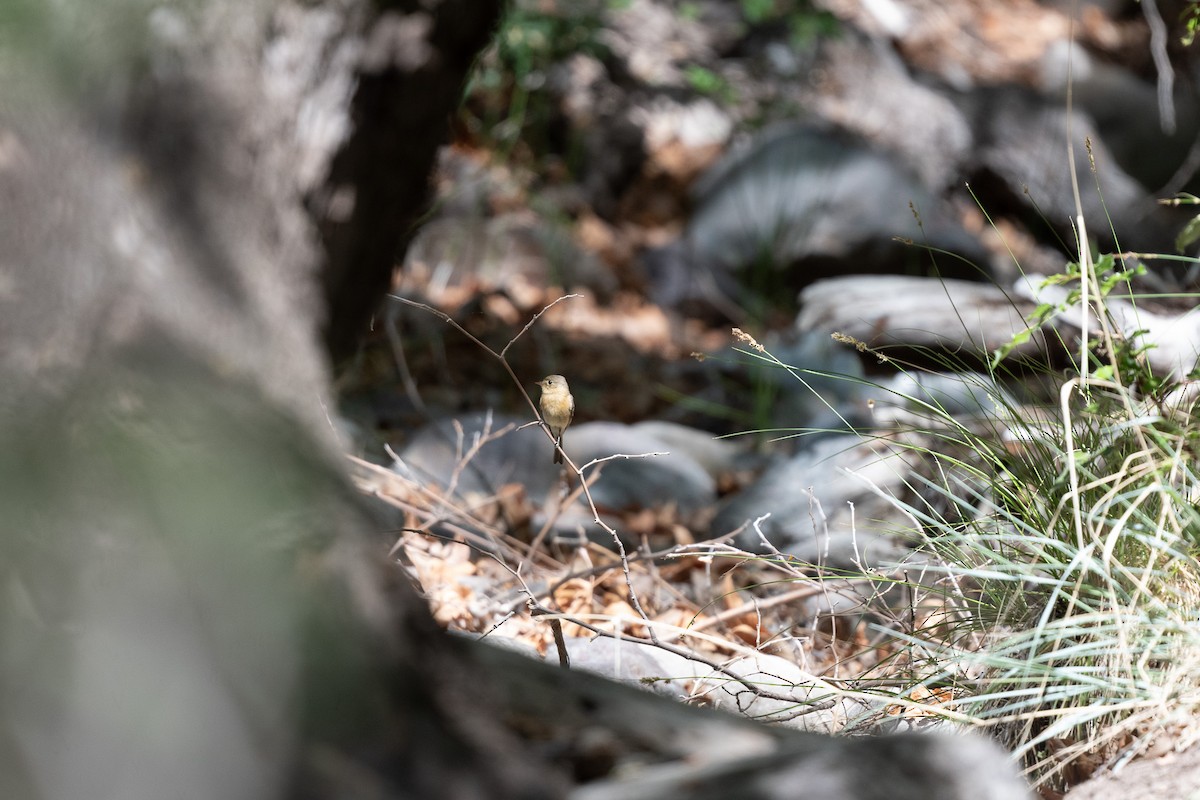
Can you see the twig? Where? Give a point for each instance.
(584, 486)
(758, 691)
(624, 456)
(529, 324)
(480, 438)
(560, 643)
(496, 626)
(760, 605)
(442, 315)
(565, 502)
(675, 551)
(483, 543)
(1162, 64)
(406, 378)
(633, 595)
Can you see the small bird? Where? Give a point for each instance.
(558, 408)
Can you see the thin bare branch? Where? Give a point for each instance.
(406, 377)
(624, 456)
(654, 641)
(442, 315)
(529, 324)
(634, 599)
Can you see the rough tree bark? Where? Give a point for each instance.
(198, 609)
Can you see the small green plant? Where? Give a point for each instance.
(1191, 231)
(1078, 564)
(504, 104)
(707, 82)
(804, 22)
(1191, 22)
(757, 11)
(1062, 543)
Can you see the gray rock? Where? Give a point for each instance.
(967, 318)
(809, 201)
(1020, 140)
(665, 750)
(509, 252)
(876, 96)
(525, 456)
(634, 483)
(1170, 341)
(715, 456)
(824, 389)
(1148, 140)
(938, 395)
(825, 504)
(901, 767)
(1174, 775)
(682, 678)
(629, 662)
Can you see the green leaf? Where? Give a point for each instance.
(1189, 235)
(1019, 338)
(756, 11)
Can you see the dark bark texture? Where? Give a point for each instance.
(412, 69)
(199, 608)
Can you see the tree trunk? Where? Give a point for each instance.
(199, 609)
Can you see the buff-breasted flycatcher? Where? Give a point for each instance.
(558, 409)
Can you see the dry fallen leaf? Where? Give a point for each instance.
(625, 619)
